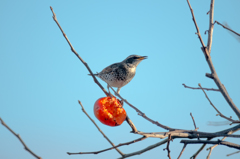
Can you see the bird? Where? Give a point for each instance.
(121, 73)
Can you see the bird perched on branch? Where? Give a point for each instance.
(120, 74)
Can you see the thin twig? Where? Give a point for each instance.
(210, 152)
(73, 50)
(145, 149)
(99, 129)
(219, 113)
(229, 144)
(227, 28)
(233, 153)
(199, 150)
(20, 139)
(182, 150)
(206, 53)
(194, 124)
(97, 152)
(211, 25)
(207, 89)
(167, 148)
(193, 121)
(212, 147)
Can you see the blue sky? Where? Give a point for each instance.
(42, 80)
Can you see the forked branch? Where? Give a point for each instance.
(167, 148)
(206, 52)
(219, 113)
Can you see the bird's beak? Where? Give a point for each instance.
(142, 58)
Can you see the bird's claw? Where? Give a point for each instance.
(121, 101)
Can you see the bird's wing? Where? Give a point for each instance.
(109, 69)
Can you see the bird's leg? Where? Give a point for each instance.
(118, 92)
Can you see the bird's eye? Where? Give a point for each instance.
(134, 57)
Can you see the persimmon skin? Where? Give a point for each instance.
(109, 111)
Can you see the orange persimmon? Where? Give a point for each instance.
(109, 111)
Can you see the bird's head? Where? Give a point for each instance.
(134, 59)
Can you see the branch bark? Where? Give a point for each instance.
(130, 123)
(219, 113)
(227, 28)
(207, 89)
(167, 148)
(229, 144)
(211, 25)
(199, 150)
(145, 149)
(233, 153)
(97, 152)
(184, 146)
(20, 139)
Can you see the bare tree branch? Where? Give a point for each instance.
(99, 130)
(207, 89)
(73, 50)
(233, 153)
(198, 32)
(214, 75)
(187, 134)
(130, 123)
(212, 147)
(219, 113)
(211, 25)
(20, 139)
(167, 148)
(182, 151)
(227, 28)
(194, 124)
(199, 150)
(226, 131)
(229, 144)
(145, 149)
(96, 152)
(193, 121)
